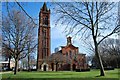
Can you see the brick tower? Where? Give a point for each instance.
(43, 39)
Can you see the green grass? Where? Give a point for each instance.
(60, 75)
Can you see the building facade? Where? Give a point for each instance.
(68, 58)
(43, 38)
(5, 63)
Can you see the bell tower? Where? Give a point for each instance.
(43, 38)
(69, 40)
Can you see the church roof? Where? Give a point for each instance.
(70, 45)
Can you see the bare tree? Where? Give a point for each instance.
(31, 45)
(56, 58)
(93, 19)
(20, 6)
(16, 32)
(24, 64)
(110, 52)
(7, 54)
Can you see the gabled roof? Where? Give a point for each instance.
(70, 45)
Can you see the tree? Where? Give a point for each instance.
(16, 32)
(6, 53)
(19, 5)
(92, 19)
(31, 47)
(56, 58)
(24, 64)
(110, 52)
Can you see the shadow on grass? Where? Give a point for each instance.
(98, 76)
(61, 79)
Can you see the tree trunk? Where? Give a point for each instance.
(79, 66)
(9, 63)
(102, 73)
(16, 65)
(56, 66)
(71, 67)
(28, 62)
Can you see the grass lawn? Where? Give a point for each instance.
(63, 75)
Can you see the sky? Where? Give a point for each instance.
(61, 0)
(58, 38)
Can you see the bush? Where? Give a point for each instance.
(30, 70)
(111, 68)
(105, 68)
(82, 70)
(33, 69)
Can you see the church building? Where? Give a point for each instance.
(68, 58)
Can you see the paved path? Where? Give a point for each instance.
(5, 72)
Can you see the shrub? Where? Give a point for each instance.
(82, 70)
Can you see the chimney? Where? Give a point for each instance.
(69, 40)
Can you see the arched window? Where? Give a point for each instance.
(45, 20)
(66, 53)
(44, 43)
(70, 54)
(44, 37)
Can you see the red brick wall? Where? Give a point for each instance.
(46, 28)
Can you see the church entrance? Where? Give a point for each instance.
(44, 68)
(52, 66)
(74, 67)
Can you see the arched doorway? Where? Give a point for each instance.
(74, 67)
(52, 66)
(40, 66)
(44, 68)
